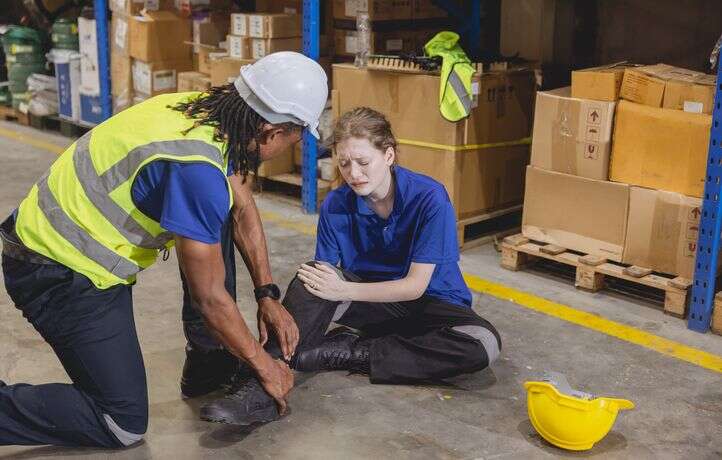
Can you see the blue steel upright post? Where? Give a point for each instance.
(311, 32)
(101, 27)
(710, 226)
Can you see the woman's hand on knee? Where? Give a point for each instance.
(324, 282)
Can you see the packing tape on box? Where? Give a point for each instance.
(564, 128)
(466, 147)
(664, 241)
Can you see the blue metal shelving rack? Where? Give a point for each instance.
(710, 227)
(101, 26)
(311, 33)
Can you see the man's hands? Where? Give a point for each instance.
(324, 282)
(272, 314)
(276, 378)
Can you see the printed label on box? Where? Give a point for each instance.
(259, 48)
(141, 78)
(164, 79)
(594, 116)
(118, 4)
(394, 45)
(235, 47)
(693, 107)
(240, 24)
(692, 231)
(351, 8)
(694, 214)
(121, 31)
(288, 10)
(152, 5)
(591, 151)
(352, 44)
(255, 26)
(690, 249)
(592, 134)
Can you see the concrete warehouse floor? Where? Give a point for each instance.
(679, 404)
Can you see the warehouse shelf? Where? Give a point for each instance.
(710, 227)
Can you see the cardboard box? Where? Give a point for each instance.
(225, 68)
(346, 42)
(119, 36)
(660, 148)
(187, 80)
(209, 29)
(160, 36)
(577, 213)
(153, 78)
(263, 46)
(202, 83)
(204, 55)
(133, 7)
(239, 24)
(662, 85)
(274, 25)
(121, 80)
(89, 67)
(239, 47)
(477, 181)
(694, 97)
(282, 164)
(662, 231)
(425, 9)
(527, 29)
(572, 136)
(378, 10)
(598, 83)
(286, 6)
(502, 105)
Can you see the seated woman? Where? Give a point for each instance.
(392, 234)
(386, 266)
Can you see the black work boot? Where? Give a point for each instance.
(341, 349)
(206, 371)
(245, 404)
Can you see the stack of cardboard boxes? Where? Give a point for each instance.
(397, 26)
(618, 165)
(479, 174)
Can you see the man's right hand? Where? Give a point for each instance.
(276, 378)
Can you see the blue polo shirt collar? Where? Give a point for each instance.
(400, 188)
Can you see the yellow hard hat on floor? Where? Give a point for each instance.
(568, 418)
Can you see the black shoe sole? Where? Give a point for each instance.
(212, 414)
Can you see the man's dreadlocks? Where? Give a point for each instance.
(236, 124)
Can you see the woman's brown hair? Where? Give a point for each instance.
(364, 123)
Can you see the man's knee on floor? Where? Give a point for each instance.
(488, 340)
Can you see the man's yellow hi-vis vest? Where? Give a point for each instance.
(81, 213)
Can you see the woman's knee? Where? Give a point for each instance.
(489, 345)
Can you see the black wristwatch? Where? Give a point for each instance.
(269, 290)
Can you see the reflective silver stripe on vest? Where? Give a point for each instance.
(121, 220)
(125, 168)
(79, 238)
(458, 86)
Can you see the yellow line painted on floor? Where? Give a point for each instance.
(566, 313)
(27, 140)
(597, 323)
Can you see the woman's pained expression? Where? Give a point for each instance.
(364, 167)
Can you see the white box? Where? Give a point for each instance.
(89, 71)
(239, 24)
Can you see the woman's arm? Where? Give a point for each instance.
(325, 282)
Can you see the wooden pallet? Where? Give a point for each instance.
(10, 114)
(484, 228)
(591, 271)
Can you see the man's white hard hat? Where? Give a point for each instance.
(285, 87)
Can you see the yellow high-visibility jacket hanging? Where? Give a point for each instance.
(455, 95)
(81, 213)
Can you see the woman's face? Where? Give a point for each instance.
(364, 167)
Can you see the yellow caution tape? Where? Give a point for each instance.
(461, 148)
